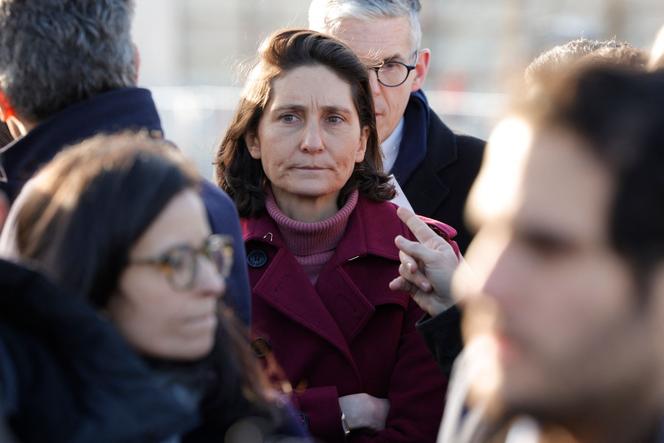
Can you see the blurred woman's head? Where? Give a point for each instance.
(305, 124)
(118, 220)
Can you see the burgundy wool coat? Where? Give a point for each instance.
(349, 333)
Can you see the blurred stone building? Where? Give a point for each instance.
(193, 51)
(474, 42)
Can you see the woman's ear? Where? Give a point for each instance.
(362, 148)
(253, 145)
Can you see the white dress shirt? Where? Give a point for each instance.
(390, 150)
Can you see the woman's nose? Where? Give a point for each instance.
(312, 140)
(209, 280)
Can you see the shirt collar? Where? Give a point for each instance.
(390, 147)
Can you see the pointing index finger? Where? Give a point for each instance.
(422, 232)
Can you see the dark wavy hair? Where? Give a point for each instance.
(618, 111)
(86, 209)
(242, 176)
(77, 221)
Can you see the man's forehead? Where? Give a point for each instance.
(498, 190)
(541, 178)
(565, 185)
(377, 39)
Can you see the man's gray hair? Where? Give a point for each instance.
(54, 53)
(326, 15)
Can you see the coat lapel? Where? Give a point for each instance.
(285, 286)
(351, 285)
(424, 188)
(355, 281)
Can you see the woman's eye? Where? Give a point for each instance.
(178, 260)
(288, 118)
(335, 119)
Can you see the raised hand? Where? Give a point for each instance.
(426, 265)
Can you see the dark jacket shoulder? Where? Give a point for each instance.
(70, 376)
(436, 167)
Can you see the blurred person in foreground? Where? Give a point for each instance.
(565, 302)
(302, 163)
(119, 221)
(432, 167)
(68, 71)
(441, 327)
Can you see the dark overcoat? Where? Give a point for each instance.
(436, 167)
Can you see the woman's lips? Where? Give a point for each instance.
(207, 321)
(310, 168)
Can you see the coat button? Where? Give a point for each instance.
(261, 347)
(256, 258)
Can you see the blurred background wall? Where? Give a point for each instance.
(192, 52)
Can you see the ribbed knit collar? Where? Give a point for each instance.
(307, 238)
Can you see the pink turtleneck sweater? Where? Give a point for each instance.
(312, 244)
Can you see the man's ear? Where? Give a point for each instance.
(16, 127)
(362, 149)
(421, 68)
(137, 61)
(253, 145)
(6, 109)
(4, 209)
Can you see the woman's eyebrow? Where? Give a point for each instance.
(289, 107)
(334, 108)
(301, 108)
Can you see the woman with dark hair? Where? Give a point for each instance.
(301, 159)
(118, 219)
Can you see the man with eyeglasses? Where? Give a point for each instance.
(433, 168)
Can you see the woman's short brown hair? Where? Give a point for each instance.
(242, 176)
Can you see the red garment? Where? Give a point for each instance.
(349, 333)
(312, 243)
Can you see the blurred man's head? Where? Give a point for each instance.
(569, 255)
(380, 32)
(558, 60)
(56, 53)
